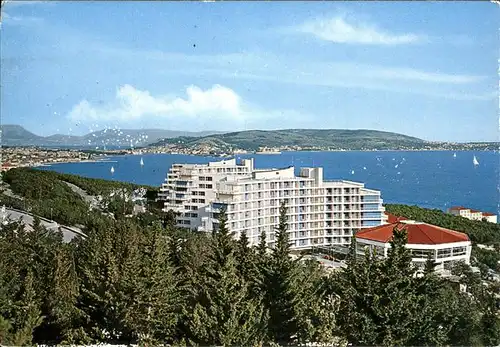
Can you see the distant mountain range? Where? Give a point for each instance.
(250, 140)
(306, 138)
(16, 135)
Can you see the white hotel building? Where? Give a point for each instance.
(320, 213)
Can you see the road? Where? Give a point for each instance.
(83, 194)
(68, 232)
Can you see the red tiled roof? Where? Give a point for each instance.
(418, 233)
(488, 214)
(393, 218)
(475, 211)
(458, 208)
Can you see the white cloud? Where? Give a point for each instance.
(19, 20)
(339, 30)
(132, 104)
(15, 3)
(421, 76)
(218, 107)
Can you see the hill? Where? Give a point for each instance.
(16, 135)
(304, 138)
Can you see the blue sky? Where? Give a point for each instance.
(427, 69)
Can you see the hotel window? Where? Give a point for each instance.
(209, 186)
(459, 251)
(209, 178)
(444, 253)
(378, 250)
(422, 253)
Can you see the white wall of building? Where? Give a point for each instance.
(473, 215)
(441, 253)
(319, 212)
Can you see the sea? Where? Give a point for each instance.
(430, 179)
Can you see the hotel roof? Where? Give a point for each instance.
(393, 218)
(418, 233)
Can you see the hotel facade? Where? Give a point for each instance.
(320, 213)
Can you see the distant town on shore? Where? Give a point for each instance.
(23, 148)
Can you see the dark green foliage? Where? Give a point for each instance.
(225, 312)
(382, 302)
(282, 287)
(141, 280)
(46, 194)
(488, 257)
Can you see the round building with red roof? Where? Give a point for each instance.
(444, 246)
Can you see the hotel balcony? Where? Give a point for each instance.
(174, 207)
(228, 190)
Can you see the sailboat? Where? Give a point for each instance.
(112, 170)
(454, 155)
(142, 162)
(476, 163)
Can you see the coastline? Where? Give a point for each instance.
(109, 156)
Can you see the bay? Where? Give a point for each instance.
(431, 179)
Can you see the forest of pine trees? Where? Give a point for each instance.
(141, 281)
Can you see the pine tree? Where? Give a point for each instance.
(28, 314)
(109, 251)
(246, 257)
(316, 308)
(282, 290)
(356, 288)
(154, 313)
(397, 299)
(62, 297)
(224, 313)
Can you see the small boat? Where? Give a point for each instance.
(112, 170)
(454, 155)
(142, 162)
(474, 160)
(352, 172)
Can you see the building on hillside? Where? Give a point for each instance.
(472, 214)
(189, 188)
(444, 246)
(319, 212)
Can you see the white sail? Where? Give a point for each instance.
(142, 162)
(454, 155)
(475, 161)
(112, 169)
(352, 172)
